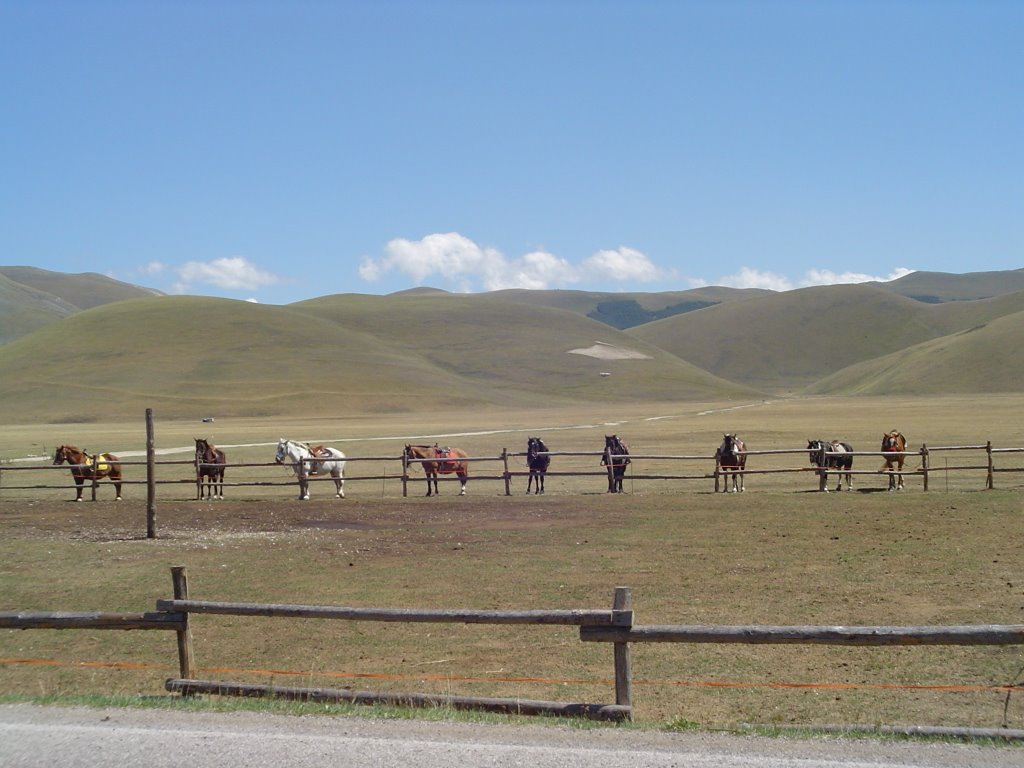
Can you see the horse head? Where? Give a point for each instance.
(282, 449)
(893, 441)
(61, 455)
(816, 450)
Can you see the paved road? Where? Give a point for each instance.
(33, 736)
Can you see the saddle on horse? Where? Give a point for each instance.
(319, 452)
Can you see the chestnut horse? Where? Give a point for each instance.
(538, 461)
(85, 467)
(616, 458)
(731, 460)
(210, 461)
(436, 460)
(895, 443)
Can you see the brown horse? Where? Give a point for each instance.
(895, 443)
(436, 460)
(85, 467)
(210, 461)
(731, 460)
(616, 458)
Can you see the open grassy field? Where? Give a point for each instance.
(777, 554)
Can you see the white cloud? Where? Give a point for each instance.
(752, 278)
(231, 273)
(828, 277)
(623, 264)
(451, 258)
(154, 268)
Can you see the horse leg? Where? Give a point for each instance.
(463, 478)
(339, 485)
(303, 487)
(117, 488)
(540, 482)
(78, 487)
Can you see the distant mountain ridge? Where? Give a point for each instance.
(31, 298)
(427, 348)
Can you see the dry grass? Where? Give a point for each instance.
(777, 554)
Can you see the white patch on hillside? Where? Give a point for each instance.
(604, 351)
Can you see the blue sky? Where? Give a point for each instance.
(285, 150)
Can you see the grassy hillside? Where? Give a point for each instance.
(981, 359)
(84, 291)
(625, 310)
(783, 342)
(192, 357)
(24, 309)
(936, 287)
(517, 349)
(31, 298)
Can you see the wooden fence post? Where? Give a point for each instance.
(611, 470)
(508, 478)
(924, 463)
(718, 467)
(622, 616)
(186, 656)
(95, 473)
(199, 477)
(405, 475)
(150, 477)
(990, 483)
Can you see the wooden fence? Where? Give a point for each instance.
(615, 626)
(706, 469)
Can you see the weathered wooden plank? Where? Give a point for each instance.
(570, 617)
(996, 634)
(90, 620)
(509, 706)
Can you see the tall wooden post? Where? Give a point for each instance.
(405, 475)
(611, 469)
(150, 477)
(924, 463)
(95, 473)
(508, 478)
(718, 469)
(622, 616)
(186, 656)
(990, 484)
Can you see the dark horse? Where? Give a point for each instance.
(835, 454)
(435, 461)
(210, 461)
(85, 467)
(538, 461)
(731, 460)
(895, 443)
(616, 458)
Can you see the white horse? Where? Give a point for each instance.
(305, 463)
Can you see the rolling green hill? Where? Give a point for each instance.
(31, 298)
(937, 287)
(625, 310)
(192, 357)
(425, 349)
(983, 359)
(786, 341)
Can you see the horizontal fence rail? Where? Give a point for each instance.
(450, 616)
(615, 626)
(643, 467)
(1010, 634)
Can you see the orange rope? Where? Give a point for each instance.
(541, 680)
